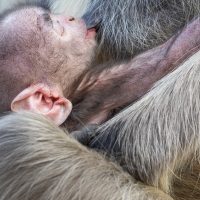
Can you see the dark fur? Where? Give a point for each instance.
(128, 27)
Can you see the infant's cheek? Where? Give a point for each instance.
(59, 29)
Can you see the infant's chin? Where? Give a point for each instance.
(91, 33)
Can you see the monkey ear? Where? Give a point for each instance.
(45, 100)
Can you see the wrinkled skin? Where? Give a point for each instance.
(39, 47)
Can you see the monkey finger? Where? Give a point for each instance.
(85, 135)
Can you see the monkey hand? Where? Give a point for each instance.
(86, 134)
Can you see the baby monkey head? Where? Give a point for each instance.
(41, 54)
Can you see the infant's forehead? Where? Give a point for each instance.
(26, 15)
(21, 28)
(24, 11)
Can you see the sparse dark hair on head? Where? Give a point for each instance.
(45, 4)
(16, 66)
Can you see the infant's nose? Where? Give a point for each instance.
(70, 18)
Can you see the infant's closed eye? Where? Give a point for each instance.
(58, 28)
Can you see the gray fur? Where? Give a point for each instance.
(40, 161)
(160, 133)
(128, 27)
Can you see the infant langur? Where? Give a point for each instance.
(41, 55)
